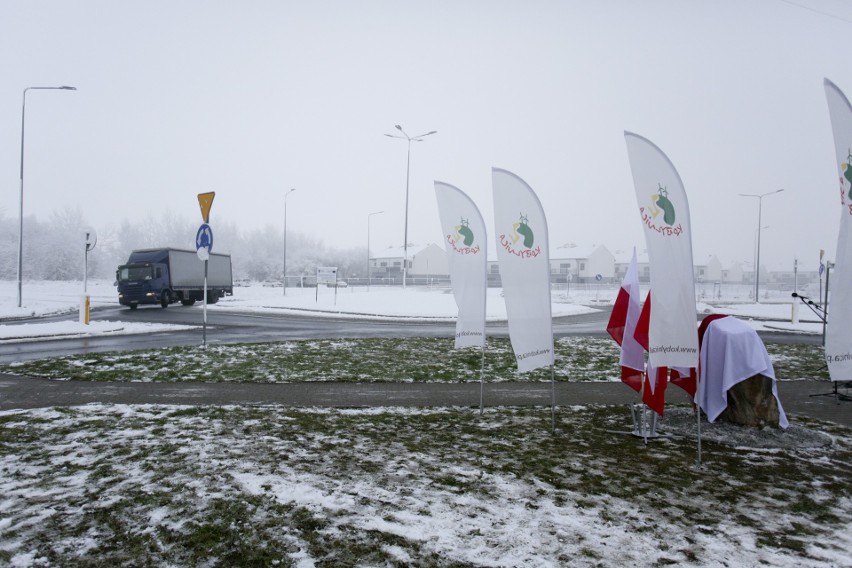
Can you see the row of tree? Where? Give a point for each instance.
(54, 248)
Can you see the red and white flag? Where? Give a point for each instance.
(684, 377)
(651, 384)
(654, 393)
(622, 325)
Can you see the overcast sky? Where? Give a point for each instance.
(252, 98)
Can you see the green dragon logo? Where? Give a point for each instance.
(464, 234)
(660, 201)
(847, 172)
(522, 229)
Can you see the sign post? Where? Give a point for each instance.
(326, 274)
(85, 304)
(203, 247)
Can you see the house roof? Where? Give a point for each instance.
(572, 251)
(399, 252)
(623, 256)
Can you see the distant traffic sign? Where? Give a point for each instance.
(598, 277)
(91, 239)
(326, 274)
(204, 238)
(205, 200)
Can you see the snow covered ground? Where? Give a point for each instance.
(265, 485)
(161, 485)
(52, 298)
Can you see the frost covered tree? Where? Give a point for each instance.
(54, 249)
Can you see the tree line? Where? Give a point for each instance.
(54, 248)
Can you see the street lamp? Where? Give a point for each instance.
(757, 262)
(21, 202)
(284, 276)
(368, 246)
(410, 139)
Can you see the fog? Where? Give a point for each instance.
(250, 99)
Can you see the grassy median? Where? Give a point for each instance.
(368, 360)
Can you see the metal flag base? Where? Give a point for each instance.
(838, 396)
(644, 424)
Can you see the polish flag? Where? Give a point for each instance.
(654, 393)
(622, 324)
(684, 377)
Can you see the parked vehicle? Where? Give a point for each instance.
(167, 275)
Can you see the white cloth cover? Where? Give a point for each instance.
(731, 352)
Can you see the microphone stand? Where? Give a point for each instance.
(820, 312)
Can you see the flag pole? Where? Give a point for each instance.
(482, 381)
(552, 399)
(641, 424)
(698, 415)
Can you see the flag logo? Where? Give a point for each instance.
(462, 240)
(846, 167)
(522, 229)
(521, 240)
(660, 203)
(463, 233)
(661, 206)
(847, 172)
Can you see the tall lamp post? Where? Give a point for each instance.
(21, 202)
(368, 247)
(410, 139)
(757, 262)
(284, 275)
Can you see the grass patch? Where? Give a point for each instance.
(264, 486)
(367, 360)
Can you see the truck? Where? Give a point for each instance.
(168, 275)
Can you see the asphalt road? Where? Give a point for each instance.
(227, 327)
(21, 392)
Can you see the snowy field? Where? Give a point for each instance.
(160, 485)
(269, 486)
(53, 298)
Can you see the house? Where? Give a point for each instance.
(581, 264)
(570, 263)
(709, 271)
(622, 263)
(734, 274)
(423, 260)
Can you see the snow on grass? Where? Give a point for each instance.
(165, 485)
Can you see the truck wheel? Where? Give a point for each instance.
(165, 299)
(187, 302)
(213, 298)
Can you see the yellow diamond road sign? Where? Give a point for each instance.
(206, 201)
